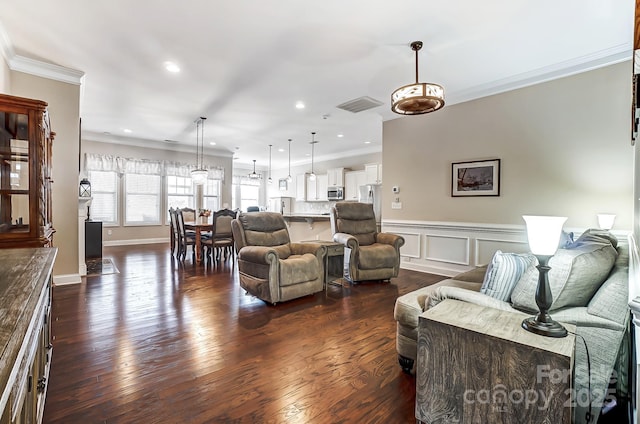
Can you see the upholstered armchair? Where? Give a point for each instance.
(270, 266)
(369, 255)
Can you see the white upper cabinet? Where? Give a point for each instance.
(336, 177)
(353, 180)
(373, 173)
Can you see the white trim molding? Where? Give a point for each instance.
(66, 279)
(453, 247)
(136, 241)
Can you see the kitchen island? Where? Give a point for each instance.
(305, 226)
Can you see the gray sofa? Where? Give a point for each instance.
(603, 321)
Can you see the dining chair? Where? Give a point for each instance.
(221, 241)
(173, 228)
(185, 238)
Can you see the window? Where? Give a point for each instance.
(180, 193)
(249, 196)
(211, 195)
(142, 199)
(104, 193)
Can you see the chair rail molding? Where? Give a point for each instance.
(449, 248)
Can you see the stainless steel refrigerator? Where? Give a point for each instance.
(372, 193)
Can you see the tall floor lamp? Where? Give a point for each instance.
(544, 233)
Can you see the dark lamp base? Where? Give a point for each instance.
(547, 329)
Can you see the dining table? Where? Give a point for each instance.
(200, 225)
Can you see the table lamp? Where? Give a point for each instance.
(606, 220)
(544, 233)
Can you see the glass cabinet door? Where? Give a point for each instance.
(14, 172)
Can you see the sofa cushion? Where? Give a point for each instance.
(503, 273)
(299, 269)
(575, 275)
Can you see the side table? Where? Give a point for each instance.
(333, 262)
(476, 364)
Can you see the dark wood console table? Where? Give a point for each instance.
(25, 332)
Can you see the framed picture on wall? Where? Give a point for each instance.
(282, 184)
(476, 178)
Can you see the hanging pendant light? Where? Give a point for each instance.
(312, 176)
(199, 175)
(418, 98)
(270, 180)
(254, 175)
(289, 178)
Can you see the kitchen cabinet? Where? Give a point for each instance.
(373, 172)
(301, 187)
(352, 181)
(25, 173)
(335, 177)
(25, 333)
(317, 189)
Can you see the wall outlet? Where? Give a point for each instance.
(109, 232)
(396, 205)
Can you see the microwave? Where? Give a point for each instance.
(335, 193)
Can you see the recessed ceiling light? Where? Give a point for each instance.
(299, 105)
(367, 142)
(212, 143)
(171, 67)
(127, 130)
(340, 135)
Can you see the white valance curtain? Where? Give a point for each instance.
(244, 180)
(98, 162)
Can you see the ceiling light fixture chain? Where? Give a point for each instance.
(289, 178)
(199, 175)
(312, 176)
(270, 180)
(417, 98)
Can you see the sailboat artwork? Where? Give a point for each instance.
(478, 178)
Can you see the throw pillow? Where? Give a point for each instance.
(503, 273)
(575, 276)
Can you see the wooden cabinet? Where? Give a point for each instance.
(25, 333)
(317, 189)
(25, 173)
(373, 172)
(335, 177)
(352, 181)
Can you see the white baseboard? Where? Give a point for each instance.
(412, 266)
(66, 279)
(136, 241)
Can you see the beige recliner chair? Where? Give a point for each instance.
(270, 266)
(369, 255)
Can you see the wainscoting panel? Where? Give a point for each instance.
(411, 248)
(485, 248)
(453, 247)
(450, 249)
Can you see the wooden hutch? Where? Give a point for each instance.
(25, 173)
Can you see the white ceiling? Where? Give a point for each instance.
(245, 63)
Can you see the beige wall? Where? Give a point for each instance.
(564, 146)
(151, 232)
(64, 112)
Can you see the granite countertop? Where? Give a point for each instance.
(317, 216)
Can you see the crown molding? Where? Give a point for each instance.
(150, 144)
(600, 59)
(19, 63)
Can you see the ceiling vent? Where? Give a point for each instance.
(170, 141)
(360, 104)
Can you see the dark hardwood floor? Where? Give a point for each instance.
(167, 343)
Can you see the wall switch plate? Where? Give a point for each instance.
(396, 205)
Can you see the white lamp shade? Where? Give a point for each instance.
(544, 233)
(199, 176)
(606, 220)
